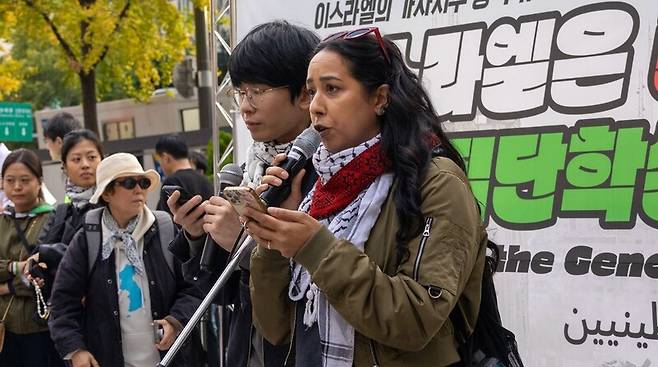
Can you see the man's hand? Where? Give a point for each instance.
(221, 222)
(169, 335)
(190, 220)
(83, 358)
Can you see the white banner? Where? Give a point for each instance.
(554, 106)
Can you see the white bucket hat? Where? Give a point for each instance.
(120, 165)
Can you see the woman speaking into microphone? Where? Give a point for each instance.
(390, 239)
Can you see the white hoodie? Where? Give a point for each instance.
(135, 314)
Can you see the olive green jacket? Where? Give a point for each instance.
(400, 313)
(22, 310)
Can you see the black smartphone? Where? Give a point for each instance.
(36, 271)
(184, 195)
(158, 332)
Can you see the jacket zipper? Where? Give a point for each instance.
(375, 361)
(421, 248)
(292, 336)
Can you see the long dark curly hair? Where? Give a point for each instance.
(407, 125)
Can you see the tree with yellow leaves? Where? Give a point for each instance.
(137, 43)
(9, 71)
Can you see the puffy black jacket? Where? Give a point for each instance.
(93, 323)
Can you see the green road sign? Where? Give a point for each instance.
(15, 121)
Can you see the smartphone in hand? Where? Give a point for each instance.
(158, 332)
(241, 197)
(184, 195)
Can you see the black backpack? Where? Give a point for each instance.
(490, 344)
(166, 232)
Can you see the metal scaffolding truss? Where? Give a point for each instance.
(220, 11)
(223, 110)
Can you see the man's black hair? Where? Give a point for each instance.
(200, 160)
(275, 54)
(172, 145)
(60, 125)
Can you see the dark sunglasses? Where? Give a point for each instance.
(359, 33)
(130, 183)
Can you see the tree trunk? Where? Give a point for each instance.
(88, 79)
(89, 111)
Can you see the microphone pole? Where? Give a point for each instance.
(240, 252)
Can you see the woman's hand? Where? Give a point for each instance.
(26, 270)
(40, 281)
(275, 175)
(281, 229)
(82, 358)
(20, 267)
(168, 336)
(34, 257)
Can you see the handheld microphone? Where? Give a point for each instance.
(302, 149)
(230, 175)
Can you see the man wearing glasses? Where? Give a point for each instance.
(268, 71)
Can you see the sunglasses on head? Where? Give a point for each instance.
(360, 33)
(130, 183)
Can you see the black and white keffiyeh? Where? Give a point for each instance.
(79, 195)
(353, 223)
(259, 157)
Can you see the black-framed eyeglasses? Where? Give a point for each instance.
(130, 183)
(360, 33)
(254, 95)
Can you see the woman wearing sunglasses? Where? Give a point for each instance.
(389, 242)
(129, 289)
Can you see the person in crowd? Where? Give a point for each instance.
(4, 152)
(4, 201)
(54, 131)
(268, 72)
(390, 240)
(173, 154)
(131, 291)
(174, 160)
(26, 342)
(81, 153)
(199, 162)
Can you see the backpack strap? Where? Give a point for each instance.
(166, 232)
(61, 211)
(92, 226)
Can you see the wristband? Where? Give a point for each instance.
(12, 267)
